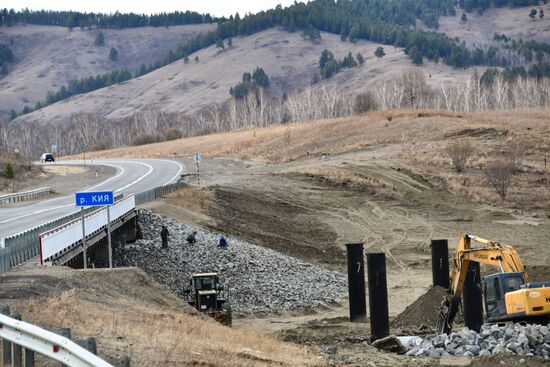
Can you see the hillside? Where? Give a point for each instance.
(47, 57)
(513, 22)
(288, 59)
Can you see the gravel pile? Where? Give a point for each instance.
(493, 339)
(260, 280)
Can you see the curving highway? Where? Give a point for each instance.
(132, 176)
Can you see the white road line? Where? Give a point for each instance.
(139, 178)
(177, 174)
(150, 169)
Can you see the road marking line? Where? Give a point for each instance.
(177, 174)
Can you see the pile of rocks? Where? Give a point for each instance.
(259, 280)
(492, 339)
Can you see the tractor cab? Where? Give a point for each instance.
(495, 287)
(206, 292)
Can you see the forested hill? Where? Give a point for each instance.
(71, 19)
(382, 21)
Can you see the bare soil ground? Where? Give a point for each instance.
(129, 314)
(288, 59)
(384, 179)
(42, 65)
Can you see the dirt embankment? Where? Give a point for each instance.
(129, 314)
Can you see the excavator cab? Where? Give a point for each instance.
(495, 287)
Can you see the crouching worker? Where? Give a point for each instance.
(222, 242)
(191, 239)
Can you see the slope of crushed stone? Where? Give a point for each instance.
(258, 280)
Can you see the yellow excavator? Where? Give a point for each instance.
(508, 294)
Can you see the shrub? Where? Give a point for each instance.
(143, 139)
(459, 152)
(499, 175)
(363, 103)
(173, 134)
(101, 145)
(8, 171)
(113, 54)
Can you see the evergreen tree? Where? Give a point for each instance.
(416, 55)
(360, 58)
(8, 171)
(260, 78)
(220, 45)
(99, 39)
(230, 43)
(464, 18)
(379, 53)
(312, 34)
(533, 14)
(197, 58)
(113, 54)
(541, 13)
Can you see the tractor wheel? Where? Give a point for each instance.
(227, 316)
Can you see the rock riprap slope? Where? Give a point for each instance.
(258, 280)
(492, 339)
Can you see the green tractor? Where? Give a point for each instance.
(207, 296)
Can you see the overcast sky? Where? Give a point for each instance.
(214, 7)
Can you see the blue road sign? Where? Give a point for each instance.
(98, 198)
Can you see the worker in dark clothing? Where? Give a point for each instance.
(222, 242)
(164, 236)
(191, 238)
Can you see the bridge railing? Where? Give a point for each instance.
(25, 195)
(58, 240)
(25, 245)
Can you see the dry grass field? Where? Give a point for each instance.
(413, 139)
(129, 314)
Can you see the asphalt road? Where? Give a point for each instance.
(132, 176)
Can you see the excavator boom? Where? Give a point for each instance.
(503, 257)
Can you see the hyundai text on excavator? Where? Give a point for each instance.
(508, 294)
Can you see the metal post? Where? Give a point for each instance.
(356, 283)
(83, 239)
(17, 351)
(378, 296)
(109, 237)
(29, 358)
(472, 298)
(6, 345)
(64, 332)
(440, 263)
(89, 344)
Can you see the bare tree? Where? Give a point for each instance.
(414, 87)
(459, 152)
(499, 175)
(515, 153)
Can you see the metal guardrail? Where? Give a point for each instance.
(25, 195)
(47, 343)
(158, 192)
